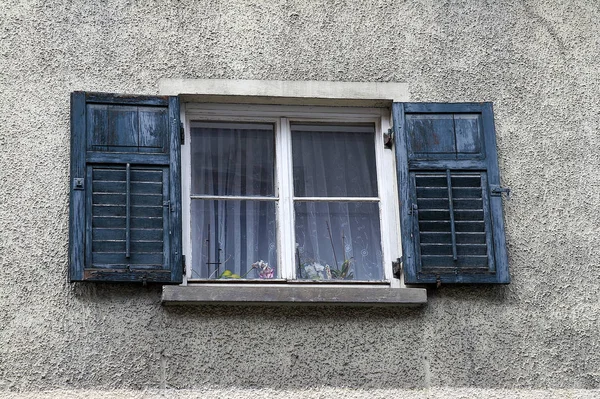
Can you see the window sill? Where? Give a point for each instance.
(372, 296)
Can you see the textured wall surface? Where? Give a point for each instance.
(537, 60)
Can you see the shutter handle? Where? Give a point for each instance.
(497, 191)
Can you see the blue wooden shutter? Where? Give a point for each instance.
(450, 198)
(125, 201)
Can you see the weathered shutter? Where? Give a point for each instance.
(450, 198)
(125, 202)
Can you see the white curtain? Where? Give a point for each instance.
(336, 161)
(230, 235)
(329, 161)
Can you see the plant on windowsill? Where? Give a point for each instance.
(314, 270)
(262, 268)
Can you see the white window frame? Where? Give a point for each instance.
(281, 116)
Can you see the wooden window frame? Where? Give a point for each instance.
(281, 116)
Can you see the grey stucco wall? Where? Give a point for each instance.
(536, 60)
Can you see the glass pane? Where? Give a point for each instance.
(338, 241)
(233, 159)
(234, 239)
(334, 161)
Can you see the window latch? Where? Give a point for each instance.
(388, 139)
(397, 267)
(497, 191)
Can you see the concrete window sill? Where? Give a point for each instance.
(244, 295)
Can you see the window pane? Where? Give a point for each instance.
(338, 240)
(334, 161)
(232, 159)
(231, 236)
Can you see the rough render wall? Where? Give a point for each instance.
(536, 60)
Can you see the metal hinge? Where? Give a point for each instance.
(397, 267)
(182, 133)
(183, 264)
(413, 209)
(497, 191)
(78, 183)
(388, 138)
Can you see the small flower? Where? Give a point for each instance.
(263, 269)
(267, 272)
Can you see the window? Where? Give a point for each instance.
(279, 194)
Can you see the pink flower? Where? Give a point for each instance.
(263, 269)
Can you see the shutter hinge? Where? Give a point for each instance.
(183, 264)
(78, 183)
(497, 191)
(397, 267)
(182, 133)
(388, 139)
(413, 209)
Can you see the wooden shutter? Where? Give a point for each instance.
(450, 197)
(125, 202)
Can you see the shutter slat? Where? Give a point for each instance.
(109, 174)
(119, 234)
(446, 238)
(434, 214)
(438, 248)
(466, 227)
(136, 223)
(471, 203)
(444, 225)
(121, 210)
(120, 199)
(119, 258)
(137, 187)
(474, 214)
(435, 262)
(120, 246)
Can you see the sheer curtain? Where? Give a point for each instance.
(229, 235)
(336, 162)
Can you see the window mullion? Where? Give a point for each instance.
(286, 194)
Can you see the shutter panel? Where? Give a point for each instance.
(451, 212)
(125, 210)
